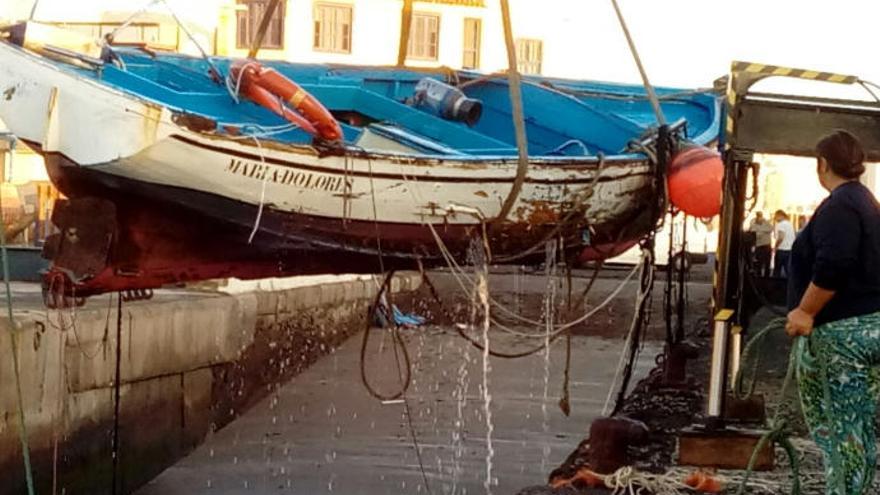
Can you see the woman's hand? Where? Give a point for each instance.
(800, 323)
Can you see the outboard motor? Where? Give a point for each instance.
(447, 102)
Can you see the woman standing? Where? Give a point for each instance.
(834, 298)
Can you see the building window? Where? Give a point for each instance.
(332, 28)
(424, 36)
(529, 54)
(472, 36)
(249, 17)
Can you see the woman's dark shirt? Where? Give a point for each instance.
(839, 250)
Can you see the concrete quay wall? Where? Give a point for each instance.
(190, 363)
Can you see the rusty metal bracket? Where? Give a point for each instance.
(88, 229)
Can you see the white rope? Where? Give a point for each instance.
(256, 137)
(640, 297)
(458, 273)
(235, 90)
(556, 329)
(262, 132)
(630, 481)
(262, 192)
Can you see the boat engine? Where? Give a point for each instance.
(447, 102)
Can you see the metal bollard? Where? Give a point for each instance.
(719, 357)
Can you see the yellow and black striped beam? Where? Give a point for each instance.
(744, 74)
(775, 70)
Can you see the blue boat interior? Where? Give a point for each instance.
(377, 111)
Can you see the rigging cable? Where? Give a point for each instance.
(633, 338)
(214, 70)
(108, 38)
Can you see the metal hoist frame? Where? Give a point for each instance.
(774, 124)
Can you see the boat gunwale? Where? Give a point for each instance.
(397, 157)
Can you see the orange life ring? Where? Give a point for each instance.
(268, 88)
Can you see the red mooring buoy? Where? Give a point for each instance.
(694, 179)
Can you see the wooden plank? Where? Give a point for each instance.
(723, 449)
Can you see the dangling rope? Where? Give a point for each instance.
(516, 106)
(652, 95)
(412, 430)
(557, 332)
(262, 192)
(459, 276)
(117, 384)
(13, 338)
(630, 349)
(397, 341)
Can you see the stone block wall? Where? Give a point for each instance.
(190, 363)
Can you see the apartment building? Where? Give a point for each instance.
(452, 33)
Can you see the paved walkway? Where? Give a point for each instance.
(322, 433)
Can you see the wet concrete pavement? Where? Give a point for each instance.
(322, 432)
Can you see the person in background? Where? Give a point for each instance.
(801, 225)
(763, 238)
(834, 303)
(784, 234)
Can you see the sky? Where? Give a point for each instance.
(692, 42)
(682, 42)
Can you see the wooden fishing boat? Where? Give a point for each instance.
(173, 173)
